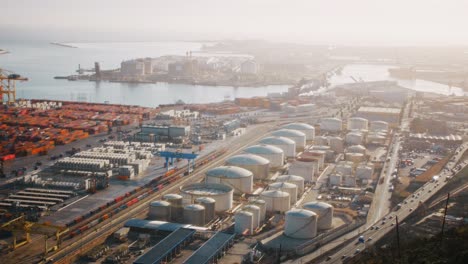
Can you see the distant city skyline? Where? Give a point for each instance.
(352, 22)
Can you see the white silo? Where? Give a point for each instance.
(336, 144)
(320, 154)
(331, 124)
(257, 165)
(375, 138)
(255, 210)
(356, 149)
(288, 187)
(354, 138)
(321, 141)
(300, 224)
(344, 168)
(243, 222)
(262, 205)
(379, 125)
(335, 179)
(357, 123)
(276, 201)
(307, 129)
(304, 108)
(354, 157)
(297, 180)
(240, 179)
(364, 171)
(286, 144)
(176, 205)
(324, 212)
(272, 153)
(223, 194)
(303, 167)
(210, 205)
(194, 214)
(160, 210)
(297, 136)
(349, 181)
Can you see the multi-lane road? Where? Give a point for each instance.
(386, 224)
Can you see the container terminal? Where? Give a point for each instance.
(254, 180)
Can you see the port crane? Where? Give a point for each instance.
(8, 85)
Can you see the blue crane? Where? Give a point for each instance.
(168, 155)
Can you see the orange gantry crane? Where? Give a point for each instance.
(8, 85)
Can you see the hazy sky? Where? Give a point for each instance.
(430, 22)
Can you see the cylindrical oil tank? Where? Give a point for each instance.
(297, 180)
(209, 204)
(194, 214)
(297, 136)
(324, 212)
(160, 210)
(357, 123)
(274, 154)
(307, 129)
(378, 125)
(336, 144)
(320, 154)
(321, 141)
(243, 222)
(344, 168)
(335, 179)
(176, 205)
(356, 149)
(306, 108)
(255, 210)
(276, 201)
(223, 194)
(240, 179)
(257, 165)
(375, 138)
(365, 171)
(354, 138)
(286, 144)
(305, 168)
(290, 109)
(332, 124)
(288, 187)
(354, 157)
(300, 224)
(262, 205)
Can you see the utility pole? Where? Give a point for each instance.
(443, 220)
(398, 238)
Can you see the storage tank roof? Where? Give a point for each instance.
(300, 126)
(301, 213)
(357, 147)
(249, 206)
(247, 159)
(280, 185)
(208, 189)
(229, 172)
(317, 205)
(244, 213)
(288, 133)
(290, 177)
(331, 119)
(160, 203)
(205, 200)
(357, 119)
(263, 149)
(172, 196)
(194, 207)
(277, 141)
(275, 193)
(380, 122)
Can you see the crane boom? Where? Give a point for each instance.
(8, 85)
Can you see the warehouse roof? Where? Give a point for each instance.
(209, 249)
(381, 110)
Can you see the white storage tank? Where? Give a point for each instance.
(276, 201)
(356, 149)
(331, 124)
(176, 205)
(354, 138)
(354, 157)
(335, 179)
(300, 224)
(364, 171)
(336, 144)
(303, 167)
(290, 109)
(288, 187)
(243, 221)
(321, 141)
(257, 165)
(349, 181)
(297, 136)
(223, 194)
(287, 145)
(357, 123)
(344, 168)
(274, 154)
(209, 204)
(307, 129)
(320, 154)
(256, 212)
(160, 210)
(240, 179)
(306, 108)
(297, 180)
(262, 205)
(324, 212)
(379, 125)
(194, 214)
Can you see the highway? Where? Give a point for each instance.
(386, 224)
(67, 252)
